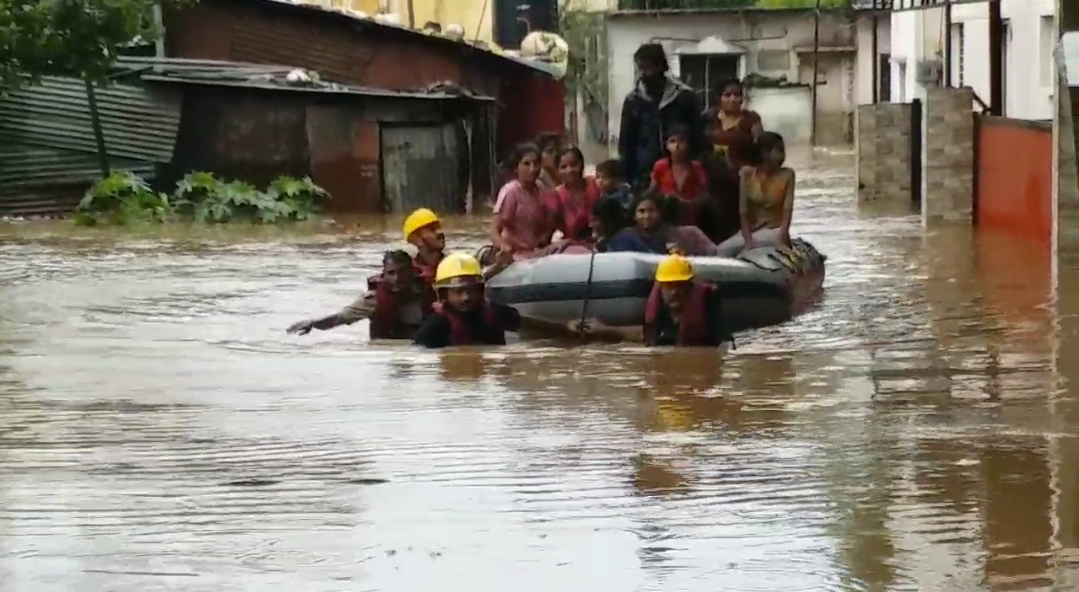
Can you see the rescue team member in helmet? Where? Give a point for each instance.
(423, 230)
(680, 312)
(396, 302)
(463, 316)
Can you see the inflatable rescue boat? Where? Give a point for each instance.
(761, 287)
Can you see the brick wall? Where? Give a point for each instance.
(882, 145)
(948, 194)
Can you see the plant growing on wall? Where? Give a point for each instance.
(70, 37)
(585, 33)
(123, 198)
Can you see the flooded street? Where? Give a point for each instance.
(160, 431)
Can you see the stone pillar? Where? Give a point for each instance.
(882, 148)
(948, 164)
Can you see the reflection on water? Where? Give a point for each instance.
(158, 430)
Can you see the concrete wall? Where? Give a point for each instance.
(863, 71)
(919, 34)
(762, 34)
(786, 111)
(948, 154)
(882, 152)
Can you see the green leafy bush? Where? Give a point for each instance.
(199, 197)
(121, 198)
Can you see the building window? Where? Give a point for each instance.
(958, 54)
(1005, 61)
(774, 61)
(1048, 43)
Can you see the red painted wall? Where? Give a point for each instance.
(1015, 177)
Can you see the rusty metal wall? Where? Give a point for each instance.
(138, 123)
(421, 168)
(325, 42)
(48, 154)
(246, 136)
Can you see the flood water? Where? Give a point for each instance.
(160, 431)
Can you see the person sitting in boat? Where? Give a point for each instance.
(396, 302)
(463, 316)
(549, 144)
(680, 312)
(608, 218)
(611, 184)
(423, 230)
(652, 234)
(526, 213)
(576, 194)
(766, 199)
(732, 128)
(678, 176)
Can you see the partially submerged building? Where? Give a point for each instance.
(374, 150)
(346, 48)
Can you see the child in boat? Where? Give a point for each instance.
(576, 194)
(680, 177)
(651, 232)
(549, 144)
(608, 219)
(526, 213)
(611, 184)
(766, 199)
(680, 312)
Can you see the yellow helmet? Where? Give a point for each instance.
(674, 268)
(417, 220)
(458, 269)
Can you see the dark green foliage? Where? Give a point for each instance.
(70, 37)
(123, 198)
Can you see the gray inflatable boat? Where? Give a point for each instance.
(761, 287)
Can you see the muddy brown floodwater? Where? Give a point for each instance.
(160, 431)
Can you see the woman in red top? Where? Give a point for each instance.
(680, 177)
(733, 128)
(576, 194)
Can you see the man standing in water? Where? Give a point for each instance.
(657, 102)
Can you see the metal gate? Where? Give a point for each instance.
(421, 168)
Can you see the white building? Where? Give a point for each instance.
(918, 41)
(708, 46)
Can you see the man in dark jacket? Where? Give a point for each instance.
(658, 101)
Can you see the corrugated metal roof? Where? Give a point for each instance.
(323, 88)
(138, 123)
(264, 77)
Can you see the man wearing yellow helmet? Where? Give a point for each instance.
(423, 230)
(680, 312)
(463, 316)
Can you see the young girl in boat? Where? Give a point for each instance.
(733, 128)
(549, 144)
(680, 177)
(526, 212)
(576, 194)
(652, 233)
(766, 199)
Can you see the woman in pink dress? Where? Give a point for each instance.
(576, 194)
(526, 213)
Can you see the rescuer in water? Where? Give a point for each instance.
(423, 230)
(680, 312)
(464, 316)
(396, 302)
